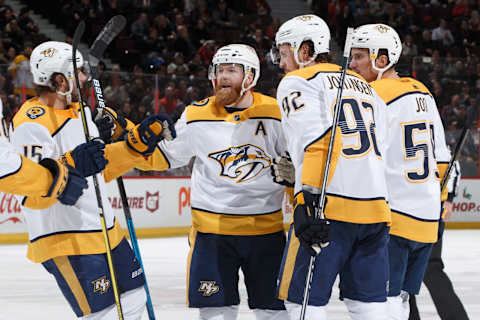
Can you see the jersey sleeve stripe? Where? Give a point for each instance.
(317, 139)
(13, 172)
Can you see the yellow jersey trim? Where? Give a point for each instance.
(239, 225)
(52, 119)
(414, 229)
(73, 243)
(263, 107)
(311, 72)
(361, 211)
(392, 89)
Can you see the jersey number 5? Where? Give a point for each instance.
(413, 147)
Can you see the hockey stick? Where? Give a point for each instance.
(319, 213)
(111, 30)
(458, 147)
(76, 39)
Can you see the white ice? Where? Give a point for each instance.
(27, 291)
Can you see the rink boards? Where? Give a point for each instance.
(160, 207)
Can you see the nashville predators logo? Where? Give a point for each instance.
(208, 288)
(382, 29)
(306, 17)
(102, 284)
(35, 112)
(242, 163)
(48, 53)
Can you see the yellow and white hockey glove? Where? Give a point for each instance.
(143, 138)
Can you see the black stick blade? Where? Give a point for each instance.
(113, 27)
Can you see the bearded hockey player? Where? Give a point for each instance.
(357, 213)
(416, 159)
(237, 219)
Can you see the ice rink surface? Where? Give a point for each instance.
(27, 291)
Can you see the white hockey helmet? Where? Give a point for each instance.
(239, 54)
(375, 37)
(299, 29)
(54, 57)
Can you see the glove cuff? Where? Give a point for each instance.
(67, 158)
(60, 176)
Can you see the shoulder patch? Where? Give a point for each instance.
(201, 103)
(35, 112)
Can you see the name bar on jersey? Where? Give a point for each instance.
(351, 83)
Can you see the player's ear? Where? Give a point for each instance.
(381, 61)
(304, 52)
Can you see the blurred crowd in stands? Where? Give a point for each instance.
(161, 59)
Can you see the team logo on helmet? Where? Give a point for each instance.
(48, 53)
(242, 163)
(35, 112)
(382, 29)
(305, 17)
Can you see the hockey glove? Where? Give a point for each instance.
(112, 125)
(309, 229)
(143, 138)
(68, 183)
(283, 171)
(88, 158)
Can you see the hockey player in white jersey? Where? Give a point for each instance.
(68, 241)
(237, 219)
(416, 159)
(50, 178)
(356, 209)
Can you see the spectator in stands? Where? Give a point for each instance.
(14, 33)
(139, 28)
(192, 95)
(26, 23)
(4, 59)
(183, 42)
(20, 71)
(224, 17)
(260, 42)
(199, 33)
(163, 26)
(461, 9)
(169, 102)
(409, 47)
(442, 34)
(207, 50)
(426, 45)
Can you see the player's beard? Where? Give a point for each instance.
(227, 96)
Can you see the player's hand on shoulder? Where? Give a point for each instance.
(283, 171)
(143, 138)
(309, 230)
(111, 124)
(68, 183)
(88, 158)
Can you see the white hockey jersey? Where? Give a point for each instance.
(416, 158)
(357, 190)
(55, 229)
(18, 174)
(232, 190)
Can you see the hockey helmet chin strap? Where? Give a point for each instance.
(67, 94)
(373, 58)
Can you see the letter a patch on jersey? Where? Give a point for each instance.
(208, 288)
(260, 128)
(242, 163)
